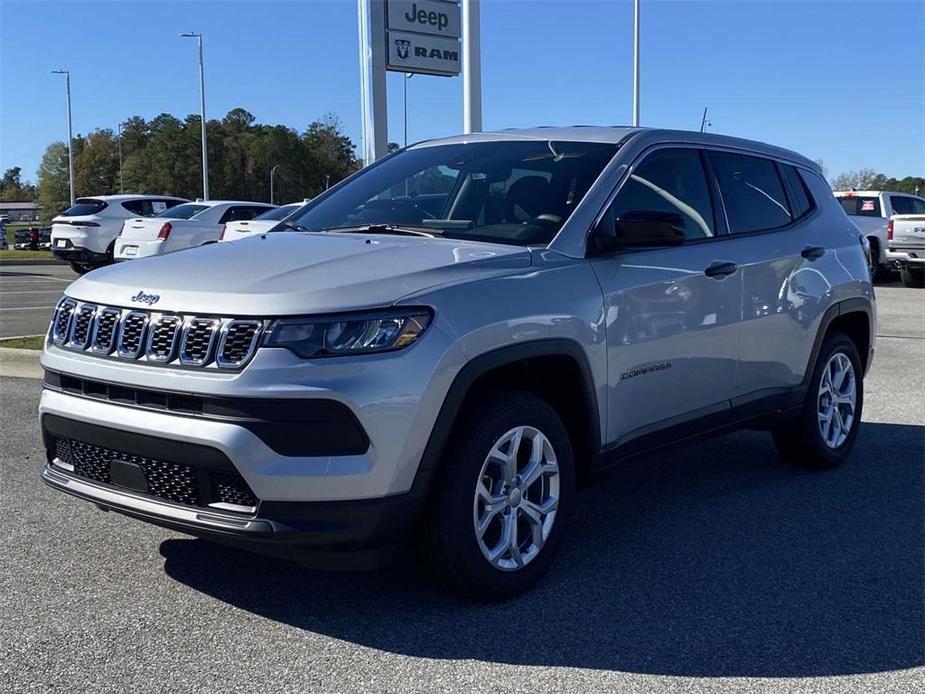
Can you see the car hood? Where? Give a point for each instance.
(291, 273)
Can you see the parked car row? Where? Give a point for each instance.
(102, 229)
(31, 239)
(876, 213)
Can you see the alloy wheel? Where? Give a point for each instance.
(516, 498)
(837, 400)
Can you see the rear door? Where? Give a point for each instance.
(788, 253)
(672, 314)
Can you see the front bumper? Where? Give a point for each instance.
(81, 461)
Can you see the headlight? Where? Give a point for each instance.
(327, 336)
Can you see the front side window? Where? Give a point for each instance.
(182, 211)
(752, 192)
(672, 181)
(516, 192)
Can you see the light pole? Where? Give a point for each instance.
(272, 174)
(703, 121)
(408, 76)
(70, 136)
(636, 63)
(121, 187)
(202, 113)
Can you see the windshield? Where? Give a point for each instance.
(182, 211)
(511, 192)
(278, 213)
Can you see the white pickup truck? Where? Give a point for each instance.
(871, 211)
(906, 247)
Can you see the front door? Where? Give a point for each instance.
(672, 314)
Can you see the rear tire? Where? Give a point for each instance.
(822, 435)
(80, 268)
(497, 513)
(878, 272)
(911, 278)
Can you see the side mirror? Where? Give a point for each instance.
(640, 229)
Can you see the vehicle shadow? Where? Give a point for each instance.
(713, 560)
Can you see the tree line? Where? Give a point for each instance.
(868, 179)
(163, 156)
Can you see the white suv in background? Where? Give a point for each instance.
(871, 211)
(258, 225)
(185, 226)
(84, 233)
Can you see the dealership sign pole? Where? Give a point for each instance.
(407, 36)
(472, 70)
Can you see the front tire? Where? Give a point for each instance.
(822, 435)
(80, 268)
(497, 513)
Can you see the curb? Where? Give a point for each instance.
(31, 261)
(21, 363)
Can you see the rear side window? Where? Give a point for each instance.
(868, 206)
(670, 180)
(752, 192)
(182, 211)
(238, 213)
(84, 206)
(902, 204)
(149, 208)
(278, 213)
(800, 201)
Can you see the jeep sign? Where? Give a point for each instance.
(433, 17)
(432, 55)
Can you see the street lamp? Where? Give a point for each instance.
(636, 64)
(70, 136)
(272, 174)
(202, 113)
(121, 187)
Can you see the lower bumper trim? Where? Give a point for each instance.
(127, 501)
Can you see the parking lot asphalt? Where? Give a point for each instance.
(28, 294)
(710, 568)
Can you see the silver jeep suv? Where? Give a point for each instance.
(448, 343)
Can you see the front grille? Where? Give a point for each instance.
(162, 340)
(81, 325)
(180, 483)
(62, 320)
(198, 338)
(154, 337)
(104, 330)
(238, 341)
(132, 334)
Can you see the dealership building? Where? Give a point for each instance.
(19, 211)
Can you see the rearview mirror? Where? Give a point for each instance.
(640, 229)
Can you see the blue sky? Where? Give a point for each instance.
(840, 81)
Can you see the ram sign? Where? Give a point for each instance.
(422, 36)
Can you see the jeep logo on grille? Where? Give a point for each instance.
(149, 299)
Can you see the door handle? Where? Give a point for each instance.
(721, 269)
(812, 252)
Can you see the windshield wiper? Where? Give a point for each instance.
(295, 226)
(398, 230)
